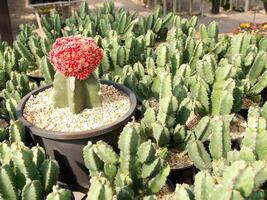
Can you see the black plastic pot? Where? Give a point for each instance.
(183, 175)
(215, 9)
(67, 148)
(36, 79)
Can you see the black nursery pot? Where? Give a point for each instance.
(36, 79)
(215, 6)
(67, 147)
(183, 175)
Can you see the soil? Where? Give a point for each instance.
(248, 103)
(40, 111)
(3, 123)
(165, 194)
(178, 159)
(238, 127)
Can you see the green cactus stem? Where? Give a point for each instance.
(32, 190)
(100, 189)
(59, 194)
(76, 94)
(8, 188)
(49, 172)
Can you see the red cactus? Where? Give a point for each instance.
(75, 56)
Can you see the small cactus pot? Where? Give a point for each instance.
(67, 148)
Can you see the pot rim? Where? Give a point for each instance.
(58, 135)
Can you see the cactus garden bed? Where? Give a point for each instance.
(129, 103)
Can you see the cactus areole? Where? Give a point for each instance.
(75, 86)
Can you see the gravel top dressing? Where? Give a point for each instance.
(40, 111)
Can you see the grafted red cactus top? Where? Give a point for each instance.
(76, 56)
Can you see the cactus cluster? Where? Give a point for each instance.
(138, 169)
(26, 174)
(240, 180)
(217, 131)
(18, 86)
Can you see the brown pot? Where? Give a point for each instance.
(67, 148)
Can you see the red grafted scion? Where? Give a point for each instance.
(76, 56)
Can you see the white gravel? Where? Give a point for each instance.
(40, 111)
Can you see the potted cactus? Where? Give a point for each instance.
(77, 107)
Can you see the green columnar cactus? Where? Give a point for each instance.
(222, 100)
(150, 38)
(209, 35)
(17, 86)
(59, 194)
(155, 22)
(38, 155)
(257, 75)
(183, 192)
(11, 106)
(25, 174)
(24, 165)
(252, 147)
(206, 68)
(138, 169)
(49, 172)
(100, 189)
(75, 85)
(52, 25)
(17, 132)
(162, 55)
(32, 190)
(204, 185)
(5, 153)
(79, 94)
(8, 189)
(240, 180)
(47, 69)
(218, 129)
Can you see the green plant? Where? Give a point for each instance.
(51, 25)
(218, 129)
(77, 88)
(156, 22)
(25, 173)
(18, 86)
(252, 146)
(137, 171)
(240, 180)
(215, 87)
